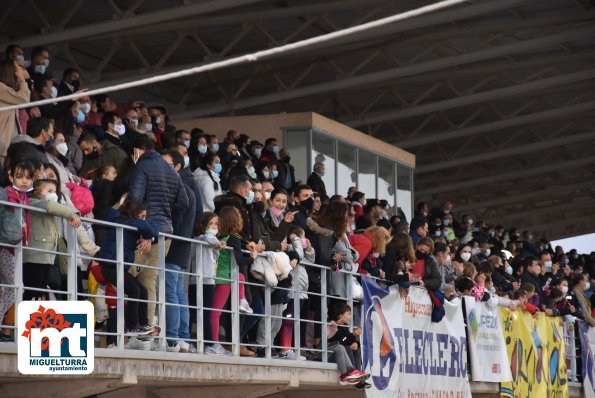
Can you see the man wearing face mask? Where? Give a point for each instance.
(286, 177)
(304, 205)
(269, 153)
(315, 179)
(115, 131)
(188, 178)
(70, 82)
(549, 270)
(240, 196)
(97, 154)
(40, 61)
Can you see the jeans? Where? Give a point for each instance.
(177, 317)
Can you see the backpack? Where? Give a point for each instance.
(11, 228)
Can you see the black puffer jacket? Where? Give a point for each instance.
(155, 183)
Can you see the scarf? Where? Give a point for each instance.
(276, 218)
(15, 196)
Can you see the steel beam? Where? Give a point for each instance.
(123, 24)
(513, 175)
(543, 193)
(478, 98)
(536, 117)
(394, 73)
(516, 150)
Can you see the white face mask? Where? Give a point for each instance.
(86, 108)
(587, 285)
(186, 162)
(120, 129)
(62, 148)
(564, 289)
(465, 256)
(548, 266)
(54, 93)
(134, 122)
(51, 197)
(488, 252)
(475, 251)
(213, 232)
(267, 195)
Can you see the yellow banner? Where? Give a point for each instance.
(535, 347)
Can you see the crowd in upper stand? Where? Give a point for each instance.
(127, 163)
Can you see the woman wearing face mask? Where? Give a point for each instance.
(579, 299)
(13, 91)
(462, 256)
(502, 276)
(208, 180)
(197, 149)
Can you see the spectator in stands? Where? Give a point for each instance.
(358, 199)
(426, 265)
(442, 255)
(70, 82)
(188, 178)
(286, 177)
(44, 237)
(115, 131)
(270, 152)
(502, 277)
(40, 61)
(580, 285)
(14, 52)
(163, 130)
(176, 262)
(154, 182)
(98, 154)
(133, 214)
(304, 204)
(418, 229)
(315, 179)
(230, 139)
(208, 181)
(421, 210)
(528, 247)
(268, 189)
(197, 149)
(13, 91)
(440, 212)
(531, 275)
(255, 151)
(240, 196)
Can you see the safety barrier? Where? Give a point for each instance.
(72, 293)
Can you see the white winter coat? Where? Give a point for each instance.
(207, 188)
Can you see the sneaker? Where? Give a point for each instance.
(183, 346)
(345, 381)
(290, 354)
(172, 347)
(191, 349)
(216, 349)
(155, 345)
(135, 343)
(111, 345)
(364, 375)
(355, 375)
(245, 307)
(362, 385)
(146, 330)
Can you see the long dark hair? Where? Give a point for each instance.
(130, 209)
(403, 246)
(206, 161)
(335, 215)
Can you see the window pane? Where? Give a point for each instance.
(297, 143)
(347, 168)
(367, 173)
(323, 151)
(386, 181)
(404, 194)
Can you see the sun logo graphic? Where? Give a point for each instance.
(55, 337)
(379, 355)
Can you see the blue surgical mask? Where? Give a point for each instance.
(276, 149)
(40, 69)
(46, 63)
(257, 152)
(216, 147)
(275, 173)
(186, 143)
(54, 92)
(202, 149)
(266, 174)
(446, 222)
(80, 117)
(250, 197)
(218, 168)
(148, 126)
(509, 270)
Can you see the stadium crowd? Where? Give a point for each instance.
(127, 163)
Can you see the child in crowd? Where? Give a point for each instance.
(372, 264)
(346, 347)
(523, 296)
(133, 214)
(230, 227)
(206, 230)
(21, 176)
(44, 235)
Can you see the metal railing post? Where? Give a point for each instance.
(296, 310)
(161, 293)
(235, 313)
(120, 286)
(350, 297)
(71, 261)
(323, 316)
(267, 320)
(18, 274)
(200, 311)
